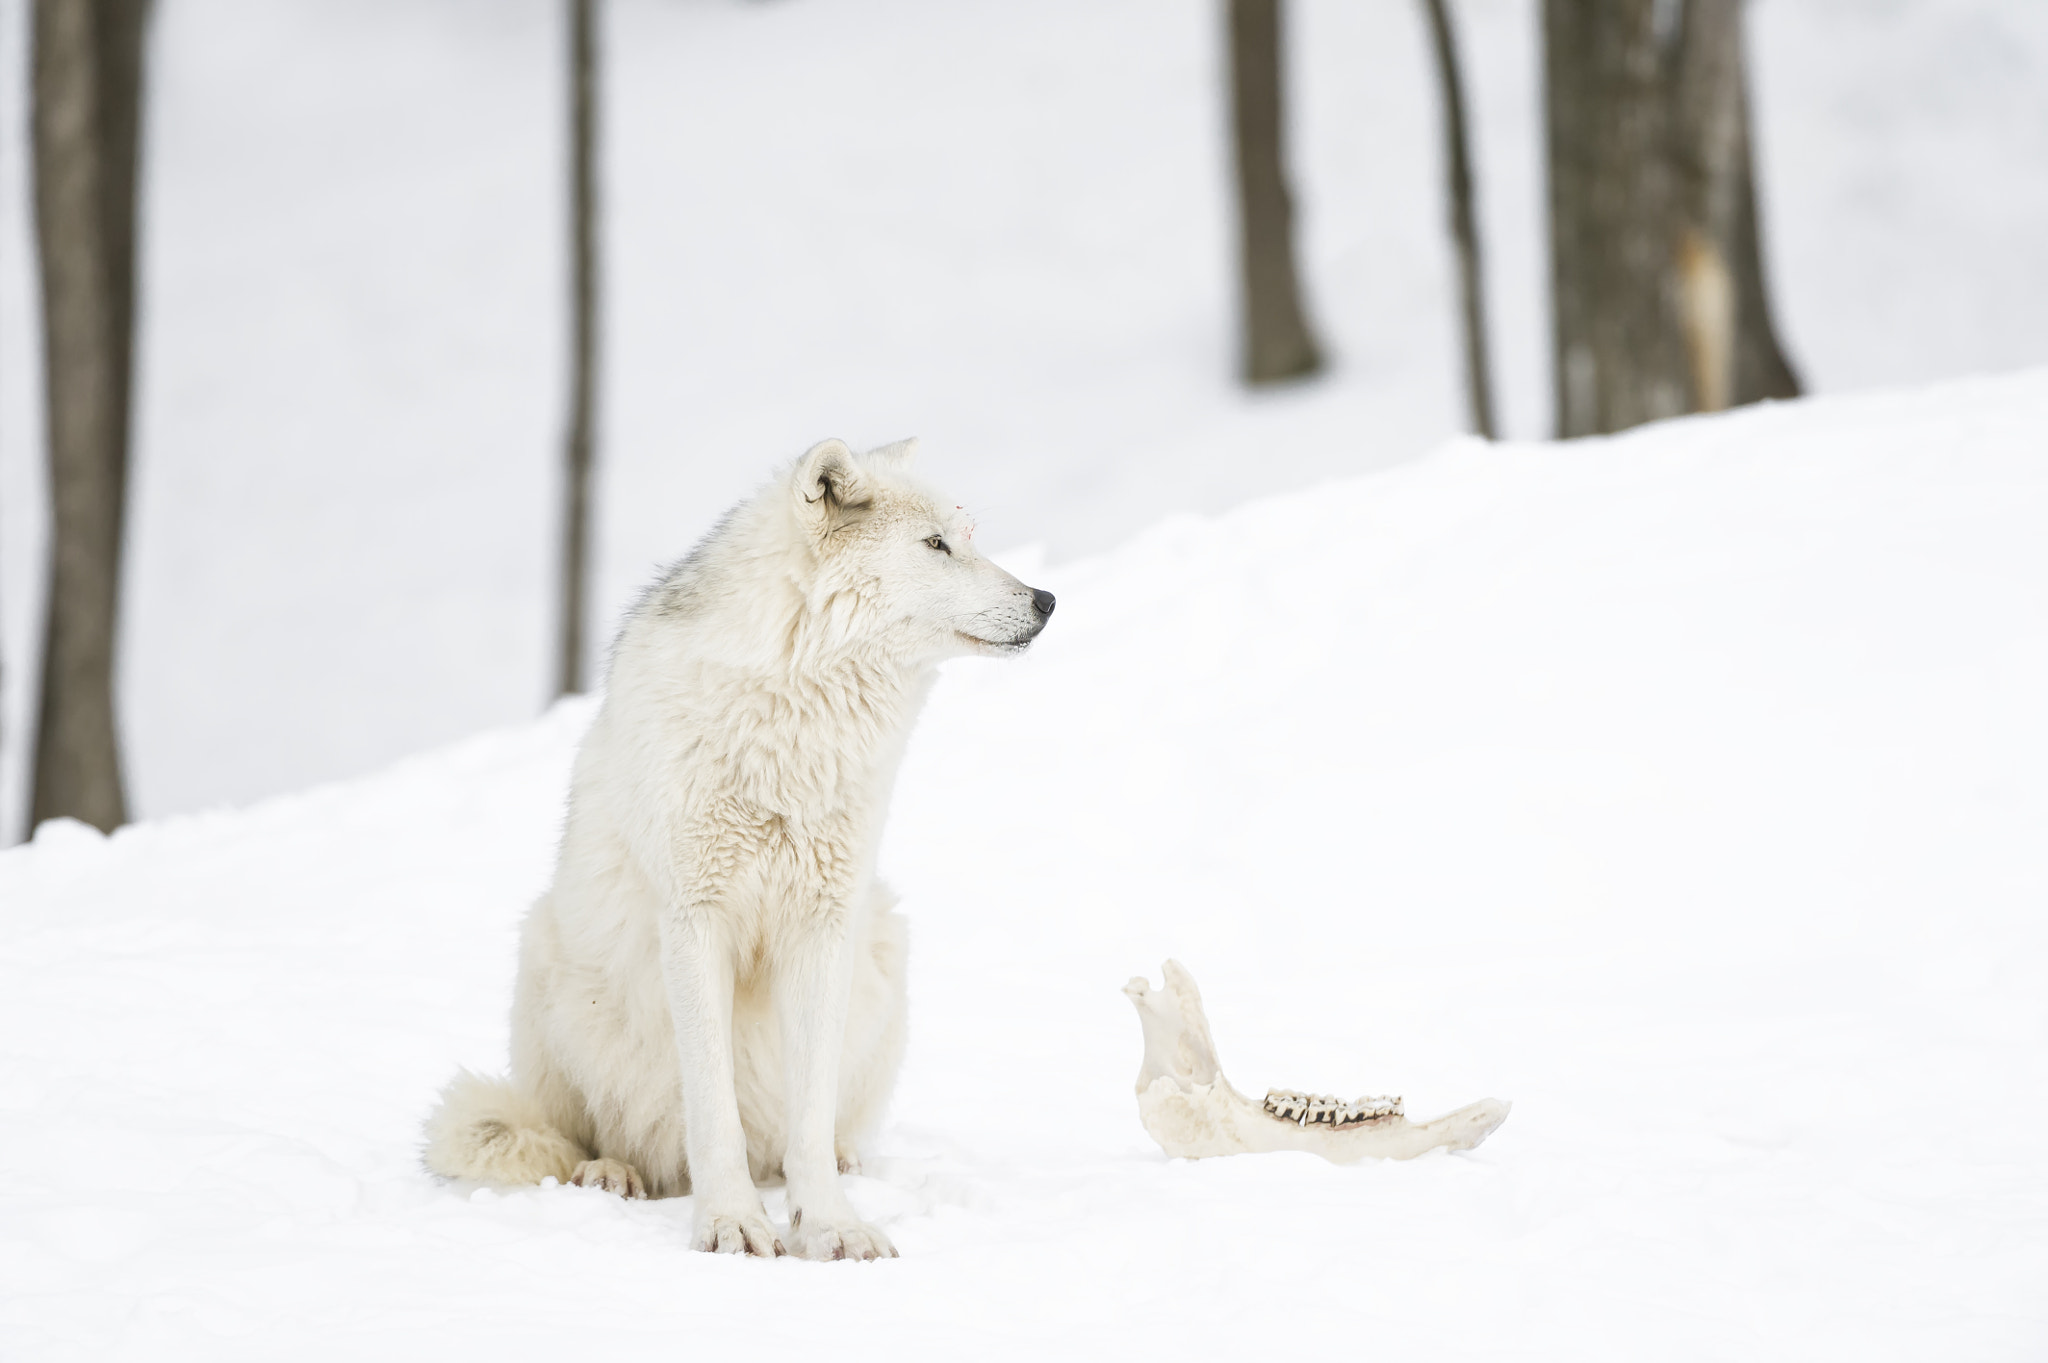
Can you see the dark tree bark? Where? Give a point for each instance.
(1276, 339)
(1619, 358)
(85, 118)
(1657, 274)
(576, 501)
(1737, 357)
(1464, 227)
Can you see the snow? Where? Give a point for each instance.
(1002, 227)
(1684, 788)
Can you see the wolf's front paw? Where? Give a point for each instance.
(611, 1176)
(740, 1232)
(822, 1237)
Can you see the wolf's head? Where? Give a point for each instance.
(894, 559)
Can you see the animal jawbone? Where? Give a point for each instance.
(1188, 1106)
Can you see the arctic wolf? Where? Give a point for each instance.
(711, 992)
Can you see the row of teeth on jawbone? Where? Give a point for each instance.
(1320, 1109)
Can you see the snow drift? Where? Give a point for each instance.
(1685, 788)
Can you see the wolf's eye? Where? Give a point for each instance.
(934, 542)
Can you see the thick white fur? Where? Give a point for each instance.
(712, 991)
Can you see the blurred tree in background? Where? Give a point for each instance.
(1464, 225)
(1656, 271)
(1276, 340)
(575, 563)
(84, 116)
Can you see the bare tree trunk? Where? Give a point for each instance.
(576, 501)
(85, 119)
(1464, 228)
(1620, 361)
(1736, 355)
(1657, 274)
(1277, 342)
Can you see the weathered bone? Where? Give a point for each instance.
(1193, 1112)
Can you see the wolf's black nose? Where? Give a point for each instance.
(1042, 601)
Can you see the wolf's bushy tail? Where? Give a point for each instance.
(488, 1131)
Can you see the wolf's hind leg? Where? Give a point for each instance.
(488, 1131)
(610, 1176)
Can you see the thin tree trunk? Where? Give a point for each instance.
(1464, 228)
(85, 119)
(1657, 275)
(1277, 342)
(576, 501)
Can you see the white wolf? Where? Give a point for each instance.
(711, 992)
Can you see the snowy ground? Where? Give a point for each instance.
(1000, 225)
(1685, 789)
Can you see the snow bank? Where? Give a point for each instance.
(1685, 788)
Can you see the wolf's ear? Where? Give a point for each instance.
(897, 457)
(831, 488)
